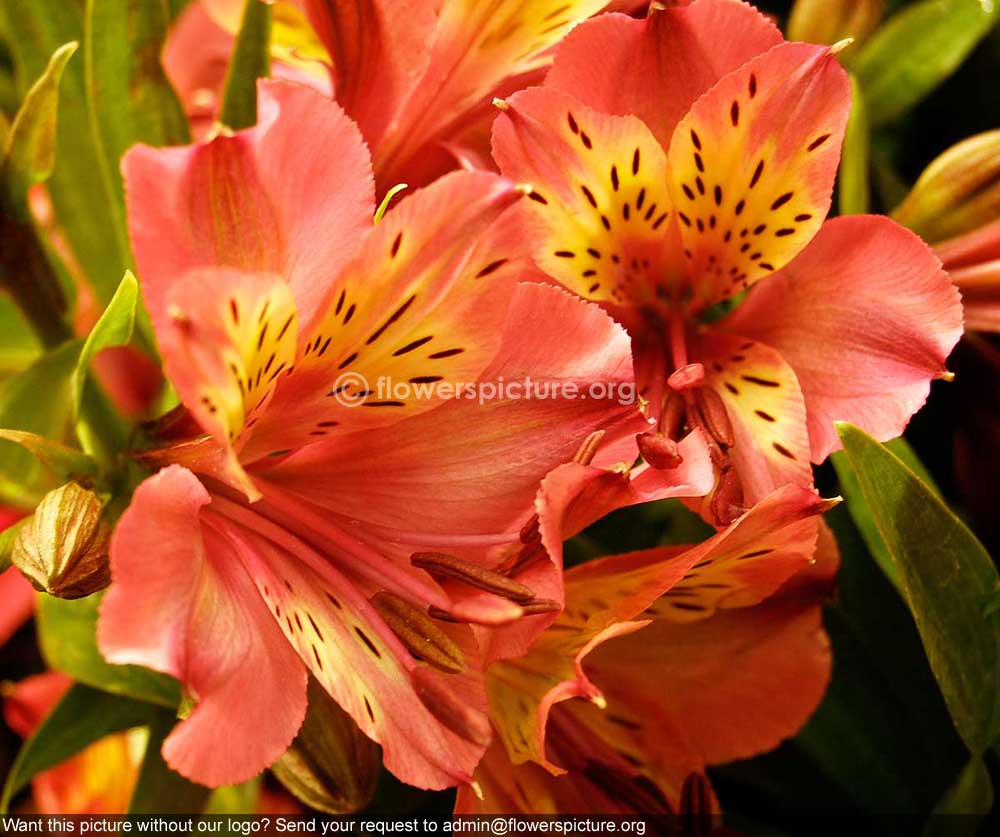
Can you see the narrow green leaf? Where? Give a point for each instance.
(63, 461)
(36, 401)
(7, 537)
(852, 179)
(83, 716)
(33, 30)
(945, 576)
(114, 328)
(67, 632)
(251, 60)
(916, 50)
(159, 790)
(30, 148)
(972, 793)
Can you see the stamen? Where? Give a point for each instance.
(529, 531)
(727, 500)
(417, 631)
(588, 448)
(541, 606)
(715, 417)
(660, 451)
(687, 377)
(450, 566)
(456, 714)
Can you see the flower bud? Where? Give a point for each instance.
(830, 21)
(63, 548)
(332, 766)
(958, 192)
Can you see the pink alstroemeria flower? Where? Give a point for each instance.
(280, 535)
(693, 655)
(679, 159)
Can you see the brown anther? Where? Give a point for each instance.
(529, 531)
(691, 375)
(443, 615)
(672, 415)
(417, 631)
(450, 566)
(658, 450)
(714, 416)
(727, 500)
(455, 713)
(588, 449)
(541, 606)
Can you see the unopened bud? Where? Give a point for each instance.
(63, 548)
(957, 193)
(830, 21)
(332, 766)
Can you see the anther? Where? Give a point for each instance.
(715, 417)
(456, 714)
(686, 377)
(727, 500)
(417, 631)
(449, 566)
(541, 606)
(588, 448)
(529, 531)
(660, 451)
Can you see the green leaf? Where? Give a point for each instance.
(18, 345)
(114, 328)
(858, 506)
(945, 576)
(33, 30)
(7, 538)
(67, 635)
(30, 148)
(251, 60)
(972, 793)
(159, 790)
(235, 799)
(65, 462)
(83, 716)
(22, 408)
(852, 179)
(916, 50)
(129, 97)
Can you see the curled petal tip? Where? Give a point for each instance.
(524, 188)
(599, 701)
(947, 375)
(840, 46)
(500, 104)
(655, 7)
(477, 789)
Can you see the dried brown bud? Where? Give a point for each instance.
(332, 766)
(63, 548)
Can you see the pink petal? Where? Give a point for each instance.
(473, 468)
(272, 198)
(31, 699)
(658, 66)
(340, 636)
(866, 318)
(182, 604)
(765, 408)
(596, 218)
(752, 166)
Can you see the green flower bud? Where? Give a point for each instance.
(332, 766)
